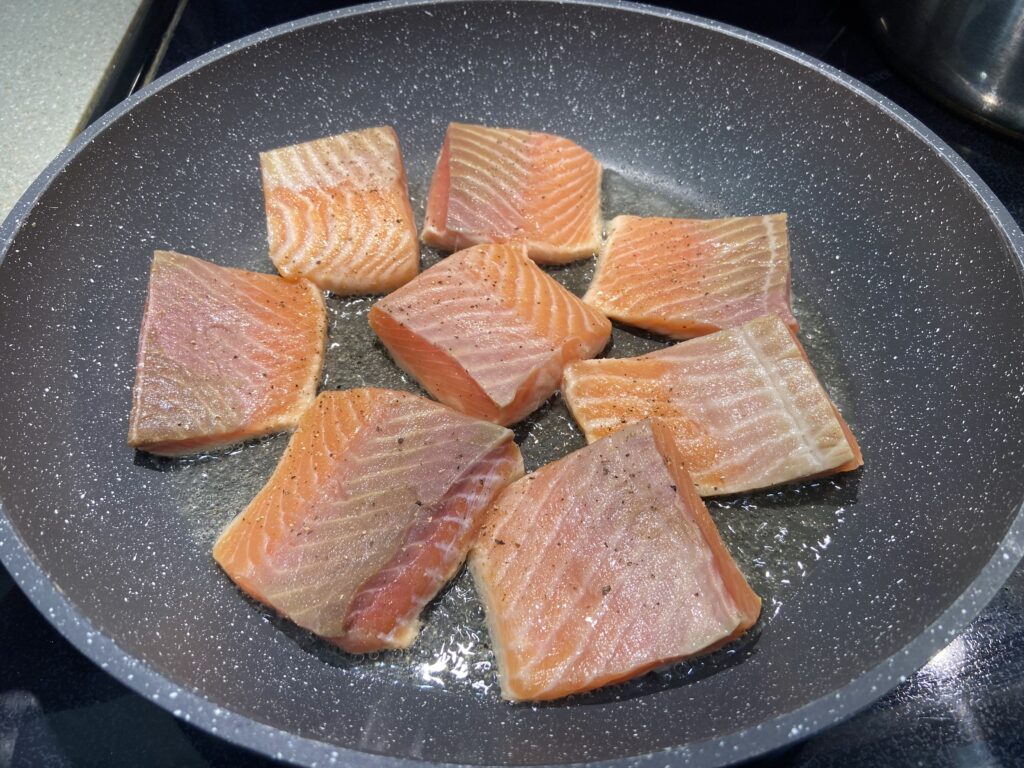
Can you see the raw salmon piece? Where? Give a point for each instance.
(688, 277)
(488, 332)
(603, 565)
(369, 513)
(225, 355)
(338, 212)
(497, 185)
(744, 404)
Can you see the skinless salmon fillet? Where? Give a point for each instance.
(338, 212)
(488, 332)
(494, 185)
(370, 511)
(744, 406)
(603, 565)
(688, 277)
(225, 355)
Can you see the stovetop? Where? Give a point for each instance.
(963, 709)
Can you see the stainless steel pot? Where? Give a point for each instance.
(969, 53)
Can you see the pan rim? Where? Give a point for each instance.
(741, 744)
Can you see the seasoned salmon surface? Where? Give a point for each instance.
(603, 565)
(338, 212)
(488, 332)
(370, 511)
(496, 185)
(688, 277)
(744, 405)
(225, 355)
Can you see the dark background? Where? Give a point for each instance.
(964, 709)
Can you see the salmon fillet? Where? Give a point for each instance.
(497, 185)
(225, 355)
(603, 565)
(338, 212)
(488, 332)
(370, 511)
(744, 405)
(688, 277)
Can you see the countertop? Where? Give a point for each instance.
(54, 57)
(963, 709)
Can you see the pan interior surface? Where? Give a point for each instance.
(908, 293)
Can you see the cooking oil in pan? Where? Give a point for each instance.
(777, 536)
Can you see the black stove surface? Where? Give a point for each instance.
(964, 709)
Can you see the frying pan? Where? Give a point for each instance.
(907, 276)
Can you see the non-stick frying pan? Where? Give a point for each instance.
(907, 275)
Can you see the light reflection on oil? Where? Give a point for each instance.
(949, 662)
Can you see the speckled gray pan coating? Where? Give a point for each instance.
(908, 283)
